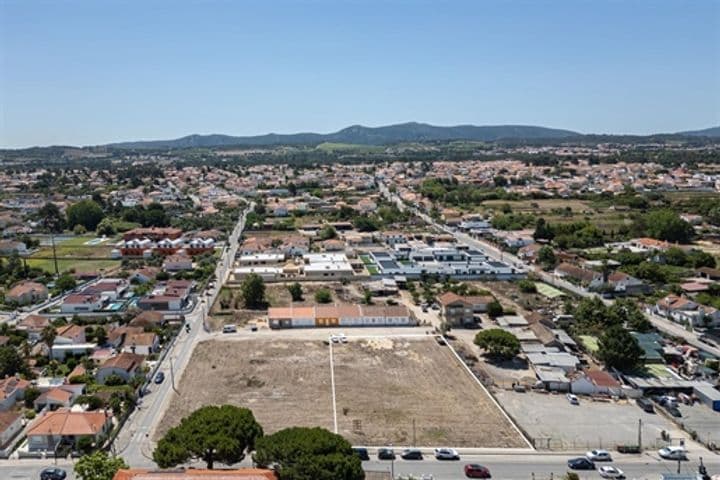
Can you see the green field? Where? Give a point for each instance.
(590, 343)
(350, 147)
(77, 247)
(65, 264)
(553, 210)
(548, 291)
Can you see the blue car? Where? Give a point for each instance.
(581, 463)
(159, 377)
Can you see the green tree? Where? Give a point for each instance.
(618, 349)
(48, 335)
(327, 232)
(213, 433)
(31, 394)
(494, 309)
(626, 312)
(498, 343)
(10, 361)
(527, 286)
(52, 218)
(323, 296)
(86, 213)
(296, 292)
(542, 230)
(308, 454)
(105, 227)
(252, 291)
(546, 256)
(65, 282)
(98, 466)
(665, 224)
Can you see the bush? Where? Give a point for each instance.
(527, 286)
(498, 343)
(84, 444)
(323, 296)
(114, 380)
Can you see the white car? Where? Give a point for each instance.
(610, 472)
(599, 456)
(673, 453)
(573, 399)
(447, 454)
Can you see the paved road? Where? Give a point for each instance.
(134, 442)
(522, 467)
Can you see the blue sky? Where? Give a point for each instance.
(91, 72)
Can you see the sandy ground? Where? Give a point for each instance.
(382, 385)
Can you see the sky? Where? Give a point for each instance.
(92, 72)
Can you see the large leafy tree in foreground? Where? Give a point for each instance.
(98, 466)
(213, 433)
(308, 454)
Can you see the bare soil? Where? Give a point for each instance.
(382, 385)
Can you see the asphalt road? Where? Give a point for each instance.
(134, 442)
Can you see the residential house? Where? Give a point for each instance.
(12, 389)
(11, 424)
(34, 326)
(529, 253)
(64, 426)
(8, 247)
(79, 303)
(142, 343)
(460, 310)
(148, 318)
(621, 284)
(57, 397)
(177, 262)
(580, 275)
(125, 365)
(595, 382)
(27, 293)
(195, 474)
(683, 310)
(144, 275)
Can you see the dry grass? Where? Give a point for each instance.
(382, 385)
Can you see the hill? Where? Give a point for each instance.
(360, 135)
(707, 132)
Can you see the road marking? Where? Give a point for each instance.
(332, 385)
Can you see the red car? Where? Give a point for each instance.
(474, 470)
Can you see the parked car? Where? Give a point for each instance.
(646, 405)
(446, 454)
(160, 377)
(473, 470)
(53, 473)
(229, 329)
(386, 454)
(581, 463)
(599, 456)
(361, 453)
(609, 471)
(411, 454)
(673, 453)
(573, 399)
(674, 411)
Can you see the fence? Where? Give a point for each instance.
(561, 444)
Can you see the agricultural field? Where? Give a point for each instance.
(548, 290)
(382, 386)
(65, 264)
(555, 210)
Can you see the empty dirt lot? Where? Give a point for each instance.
(382, 385)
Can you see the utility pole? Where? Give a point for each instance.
(640, 435)
(52, 240)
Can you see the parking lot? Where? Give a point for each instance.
(703, 421)
(555, 424)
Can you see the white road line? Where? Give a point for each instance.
(332, 384)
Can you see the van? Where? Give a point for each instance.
(229, 329)
(646, 405)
